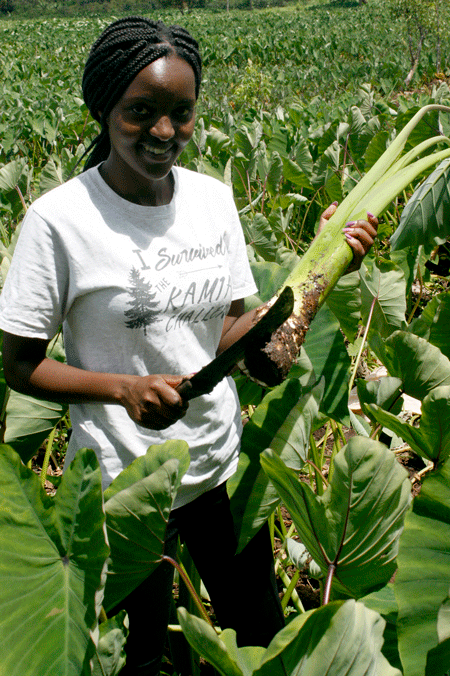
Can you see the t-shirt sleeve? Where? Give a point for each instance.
(241, 274)
(32, 303)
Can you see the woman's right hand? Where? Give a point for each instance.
(153, 402)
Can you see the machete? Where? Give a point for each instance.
(207, 378)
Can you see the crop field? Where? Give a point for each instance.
(298, 106)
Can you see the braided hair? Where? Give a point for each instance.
(123, 49)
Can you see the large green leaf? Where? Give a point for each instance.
(29, 421)
(345, 303)
(205, 640)
(257, 435)
(269, 278)
(136, 520)
(340, 639)
(423, 578)
(290, 442)
(385, 393)
(326, 349)
(434, 323)
(109, 656)
(432, 438)
(354, 526)
(426, 218)
(146, 464)
(383, 601)
(384, 287)
(53, 553)
(420, 366)
(11, 173)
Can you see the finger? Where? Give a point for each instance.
(329, 211)
(373, 220)
(360, 235)
(362, 230)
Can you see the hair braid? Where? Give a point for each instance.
(123, 49)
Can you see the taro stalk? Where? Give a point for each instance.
(329, 255)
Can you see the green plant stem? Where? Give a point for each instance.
(317, 471)
(328, 583)
(46, 460)
(416, 304)
(290, 589)
(197, 600)
(315, 462)
(363, 342)
(336, 448)
(284, 577)
(282, 524)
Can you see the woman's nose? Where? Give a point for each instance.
(163, 128)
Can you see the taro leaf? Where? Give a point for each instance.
(339, 639)
(383, 601)
(356, 523)
(423, 578)
(29, 421)
(426, 218)
(109, 657)
(419, 365)
(326, 349)
(385, 393)
(301, 558)
(345, 303)
(51, 176)
(204, 640)
(434, 323)
(259, 234)
(53, 553)
(282, 422)
(438, 660)
(384, 286)
(269, 277)
(136, 521)
(146, 464)
(432, 438)
(11, 173)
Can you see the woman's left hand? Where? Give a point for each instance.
(359, 235)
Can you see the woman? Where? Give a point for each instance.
(144, 264)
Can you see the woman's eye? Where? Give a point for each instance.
(184, 113)
(139, 109)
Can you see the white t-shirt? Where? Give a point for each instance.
(139, 290)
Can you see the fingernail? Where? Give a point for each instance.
(350, 223)
(370, 215)
(334, 203)
(348, 236)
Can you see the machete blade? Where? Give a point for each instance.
(207, 378)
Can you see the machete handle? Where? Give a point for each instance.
(184, 389)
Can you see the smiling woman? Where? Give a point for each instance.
(144, 263)
(145, 266)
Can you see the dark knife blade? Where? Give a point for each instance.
(207, 378)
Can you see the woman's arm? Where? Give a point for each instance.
(150, 401)
(359, 234)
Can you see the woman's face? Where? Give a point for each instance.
(150, 125)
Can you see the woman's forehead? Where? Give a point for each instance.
(168, 75)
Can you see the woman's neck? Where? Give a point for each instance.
(155, 194)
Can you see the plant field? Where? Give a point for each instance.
(297, 105)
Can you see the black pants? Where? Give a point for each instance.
(242, 588)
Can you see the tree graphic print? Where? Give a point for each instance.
(143, 308)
